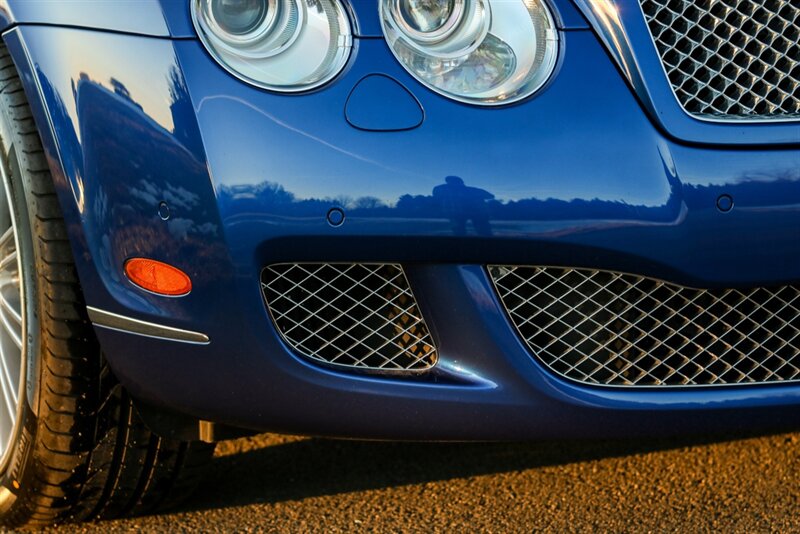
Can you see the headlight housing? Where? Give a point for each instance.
(486, 52)
(280, 45)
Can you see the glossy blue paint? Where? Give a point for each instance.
(143, 117)
(177, 15)
(503, 394)
(572, 176)
(145, 17)
(553, 182)
(378, 103)
(367, 21)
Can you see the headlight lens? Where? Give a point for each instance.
(281, 45)
(425, 16)
(238, 17)
(486, 52)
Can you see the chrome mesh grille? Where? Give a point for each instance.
(614, 329)
(355, 315)
(730, 59)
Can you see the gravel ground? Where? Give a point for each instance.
(291, 484)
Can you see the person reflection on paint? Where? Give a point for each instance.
(462, 203)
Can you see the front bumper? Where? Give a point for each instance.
(579, 174)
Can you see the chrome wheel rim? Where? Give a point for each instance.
(12, 321)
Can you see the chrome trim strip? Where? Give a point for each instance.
(128, 325)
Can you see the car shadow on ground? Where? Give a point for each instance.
(273, 469)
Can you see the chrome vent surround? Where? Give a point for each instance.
(356, 315)
(730, 59)
(612, 329)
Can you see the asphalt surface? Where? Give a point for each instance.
(291, 484)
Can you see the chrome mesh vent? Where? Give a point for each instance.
(359, 315)
(730, 59)
(613, 329)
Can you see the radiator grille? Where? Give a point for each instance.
(730, 59)
(356, 315)
(614, 329)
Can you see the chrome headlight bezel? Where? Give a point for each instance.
(477, 28)
(268, 57)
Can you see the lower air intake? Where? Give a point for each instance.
(612, 329)
(357, 315)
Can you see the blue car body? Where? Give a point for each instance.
(599, 169)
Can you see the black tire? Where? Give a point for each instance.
(79, 450)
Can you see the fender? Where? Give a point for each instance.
(85, 114)
(155, 18)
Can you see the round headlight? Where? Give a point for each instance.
(424, 17)
(238, 17)
(281, 45)
(486, 52)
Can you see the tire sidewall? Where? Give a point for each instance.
(14, 472)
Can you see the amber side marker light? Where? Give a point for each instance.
(158, 277)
